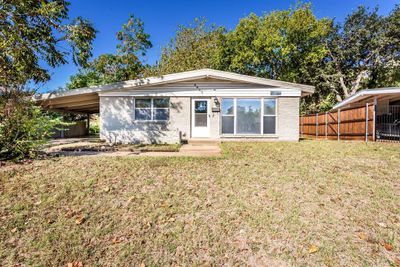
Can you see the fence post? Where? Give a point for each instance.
(338, 127)
(326, 125)
(366, 123)
(316, 126)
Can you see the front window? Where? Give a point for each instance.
(228, 117)
(248, 116)
(151, 109)
(248, 113)
(269, 117)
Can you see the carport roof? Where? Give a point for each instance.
(368, 95)
(86, 100)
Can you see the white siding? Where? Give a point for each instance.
(117, 111)
(118, 126)
(288, 118)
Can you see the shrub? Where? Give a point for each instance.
(23, 127)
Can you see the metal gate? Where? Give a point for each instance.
(388, 125)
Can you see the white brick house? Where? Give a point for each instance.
(206, 104)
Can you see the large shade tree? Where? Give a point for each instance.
(194, 47)
(126, 64)
(286, 45)
(36, 35)
(364, 52)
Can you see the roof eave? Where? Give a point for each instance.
(179, 77)
(366, 92)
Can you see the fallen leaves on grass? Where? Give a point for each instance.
(75, 264)
(312, 249)
(387, 246)
(80, 219)
(362, 235)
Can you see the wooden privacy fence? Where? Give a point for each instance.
(346, 124)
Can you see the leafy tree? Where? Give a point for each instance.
(31, 35)
(125, 65)
(285, 45)
(195, 46)
(32, 32)
(364, 52)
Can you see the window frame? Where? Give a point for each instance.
(269, 115)
(152, 109)
(229, 115)
(262, 115)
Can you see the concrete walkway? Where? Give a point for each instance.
(196, 148)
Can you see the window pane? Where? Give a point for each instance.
(227, 106)
(161, 102)
(161, 114)
(143, 103)
(143, 114)
(269, 106)
(248, 116)
(200, 120)
(227, 124)
(200, 106)
(269, 124)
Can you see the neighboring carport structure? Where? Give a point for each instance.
(386, 102)
(371, 114)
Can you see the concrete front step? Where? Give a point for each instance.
(183, 149)
(200, 148)
(203, 142)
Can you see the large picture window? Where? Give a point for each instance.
(151, 109)
(248, 112)
(245, 116)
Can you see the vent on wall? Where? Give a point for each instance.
(276, 92)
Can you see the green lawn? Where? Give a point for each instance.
(277, 204)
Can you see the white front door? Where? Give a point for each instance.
(200, 117)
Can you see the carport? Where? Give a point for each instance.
(83, 101)
(371, 114)
(386, 102)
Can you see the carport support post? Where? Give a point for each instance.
(88, 123)
(366, 123)
(62, 126)
(338, 125)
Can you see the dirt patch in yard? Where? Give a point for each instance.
(276, 204)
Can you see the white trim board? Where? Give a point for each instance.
(206, 92)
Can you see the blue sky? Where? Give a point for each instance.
(161, 19)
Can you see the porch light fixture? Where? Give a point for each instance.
(216, 101)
